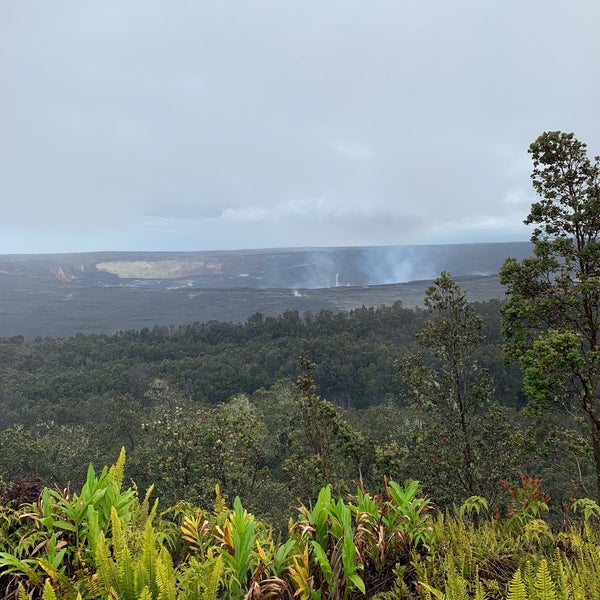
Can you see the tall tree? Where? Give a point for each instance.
(551, 317)
(451, 388)
(329, 449)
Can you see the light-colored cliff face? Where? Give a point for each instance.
(62, 276)
(160, 269)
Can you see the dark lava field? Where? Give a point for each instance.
(62, 295)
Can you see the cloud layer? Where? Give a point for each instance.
(227, 124)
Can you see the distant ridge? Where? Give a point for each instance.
(306, 268)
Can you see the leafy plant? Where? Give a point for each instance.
(527, 501)
(327, 530)
(473, 505)
(59, 532)
(238, 537)
(128, 570)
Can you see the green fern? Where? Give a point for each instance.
(473, 505)
(214, 580)
(220, 505)
(145, 594)
(544, 585)
(131, 567)
(201, 580)
(22, 593)
(516, 588)
(528, 574)
(118, 469)
(431, 592)
(479, 591)
(125, 572)
(103, 563)
(560, 577)
(148, 563)
(120, 573)
(49, 593)
(165, 576)
(456, 586)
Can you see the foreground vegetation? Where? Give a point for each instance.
(106, 541)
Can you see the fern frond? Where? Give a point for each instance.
(456, 586)
(516, 587)
(124, 568)
(149, 557)
(118, 534)
(117, 471)
(544, 585)
(220, 506)
(126, 574)
(214, 580)
(528, 574)
(559, 576)
(145, 594)
(153, 510)
(49, 593)
(112, 594)
(21, 593)
(432, 592)
(165, 576)
(104, 565)
(48, 568)
(144, 511)
(479, 591)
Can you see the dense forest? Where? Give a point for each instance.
(70, 401)
(445, 452)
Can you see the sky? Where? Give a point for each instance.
(232, 124)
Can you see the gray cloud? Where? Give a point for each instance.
(226, 124)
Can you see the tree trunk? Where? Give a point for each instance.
(595, 435)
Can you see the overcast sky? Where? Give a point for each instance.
(206, 125)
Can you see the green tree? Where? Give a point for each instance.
(325, 448)
(453, 393)
(551, 317)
